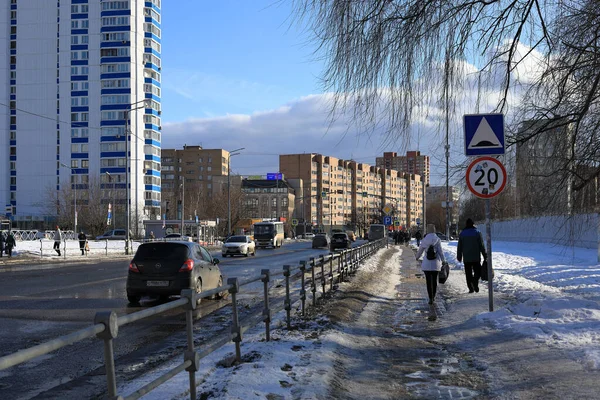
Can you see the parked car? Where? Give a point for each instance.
(238, 244)
(320, 240)
(166, 268)
(340, 241)
(308, 235)
(115, 234)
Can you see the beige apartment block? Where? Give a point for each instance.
(336, 193)
(412, 163)
(203, 170)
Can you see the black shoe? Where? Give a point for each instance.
(430, 301)
(471, 290)
(477, 289)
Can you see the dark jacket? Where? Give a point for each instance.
(81, 238)
(10, 241)
(470, 245)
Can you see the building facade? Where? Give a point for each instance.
(412, 163)
(195, 175)
(336, 193)
(268, 199)
(82, 83)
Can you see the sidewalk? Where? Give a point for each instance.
(373, 341)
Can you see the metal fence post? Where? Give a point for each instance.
(190, 354)
(330, 271)
(41, 248)
(322, 262)
(111, 329)
(302, 289)
(106, 246)
(235, 329)
(266, 311)
(313, 285)
(65, 249)
(287, 303)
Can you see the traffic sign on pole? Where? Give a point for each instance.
(486, 177)
(387, 220)
(484, 134)
(294, 221)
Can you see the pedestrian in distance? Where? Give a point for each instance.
(470, 247)
(418, 237)
(432, 262)
(151, 236)
(396, 237)
(57, 240)
(10, 244)
(1, 243)
(82, 240)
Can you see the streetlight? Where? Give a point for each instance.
(114, 206)
(231, 154)
(182, 187)
(127, 162)
(75, 203)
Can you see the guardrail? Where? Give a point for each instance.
(107, 323)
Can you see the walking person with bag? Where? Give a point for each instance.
(470, 246)
(432, 262)
(57, 240)
(82, 242)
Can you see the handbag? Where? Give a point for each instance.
(484, 271)
(444, 272)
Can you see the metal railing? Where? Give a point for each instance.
(107, 323)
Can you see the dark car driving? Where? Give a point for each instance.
(165, 268)
(320, 240)
(340, 241)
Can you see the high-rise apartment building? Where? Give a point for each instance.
(412, 163)
(80, 94)
(343, 193)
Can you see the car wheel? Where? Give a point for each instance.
(134, 299)
(198, 288)
(224, 294)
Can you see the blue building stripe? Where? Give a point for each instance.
(79, 140)
(112, 13)
(112, 123)
(78, 93)
(79, 16)
(79, 155)
(115, 44)
(151, 126)
(79, 31)
(116, 91)
(79, 77)
(79, 62)
(112, 170)
(108, 60)
(79, 47)
(112, 138)
(115, 75)
(80, 109)
(122, 28)
(151, 157)
(153, 188)
(112, 107)
(112, 154)
(152, 143)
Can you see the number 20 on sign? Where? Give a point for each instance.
(486, 177)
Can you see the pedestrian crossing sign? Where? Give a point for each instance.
(484, 134)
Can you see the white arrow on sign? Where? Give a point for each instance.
(484, 137)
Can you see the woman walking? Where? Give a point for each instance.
(432, 261)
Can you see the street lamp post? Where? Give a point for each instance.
(231, 154)
(182, 187)
(75, 202)
(127, 167)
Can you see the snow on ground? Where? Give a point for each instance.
(555, 292)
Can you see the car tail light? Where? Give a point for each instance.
(133, 267)
(188, 265)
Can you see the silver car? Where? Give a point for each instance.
(238, 244)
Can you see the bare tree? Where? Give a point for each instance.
(388, 58)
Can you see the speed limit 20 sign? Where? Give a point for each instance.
(486, 177)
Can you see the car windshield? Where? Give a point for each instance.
(339, 235)
(237, 239)
(161, 250)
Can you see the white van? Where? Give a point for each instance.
(376, 232)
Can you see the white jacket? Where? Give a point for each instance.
(431, 265)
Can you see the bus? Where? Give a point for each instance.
(376, 232)
(268, 234)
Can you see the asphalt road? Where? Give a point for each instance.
(39, 304)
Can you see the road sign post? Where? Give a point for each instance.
(484, 134)
(486, 178)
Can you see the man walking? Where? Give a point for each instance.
(10, 244)
(470, 246)
(57, 240)
(82, 240)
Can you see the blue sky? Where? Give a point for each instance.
(232, 57)
(243, 74)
